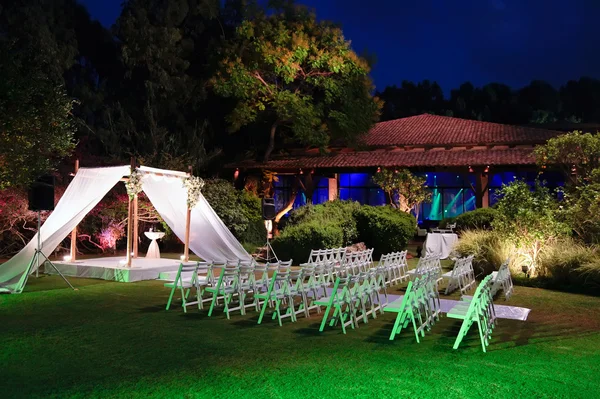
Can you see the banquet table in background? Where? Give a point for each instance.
(153, 250)
(439, 244)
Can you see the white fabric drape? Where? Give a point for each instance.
(440, 244)
(210, 239)
(85, 191)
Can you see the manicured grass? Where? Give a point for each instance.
(111, 340)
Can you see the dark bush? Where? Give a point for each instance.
(296, 241)
(481, 218)
(384, 228)
(338, 213)
(255, 234)
(239, 210)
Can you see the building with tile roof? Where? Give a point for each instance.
(464, 162)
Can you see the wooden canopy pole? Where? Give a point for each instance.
(136, 234)
(129, 220)
(186, 250)
(74, 232)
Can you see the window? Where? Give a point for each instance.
(360, 187)
(451, 195)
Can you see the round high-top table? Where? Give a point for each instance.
(153, 250)
(439, 244)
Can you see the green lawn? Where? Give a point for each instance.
(111, 340)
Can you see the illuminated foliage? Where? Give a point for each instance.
(576, 153)
(36, 125)
(530, 220)
(404, 190)
(299, 77)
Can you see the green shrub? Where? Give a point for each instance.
(567, 262)
(225, 200)
(239, 210)
(489, 249)
(530, 219)
(250, 205)
(589, 273)
(255, 234)
(339, 213)
(296, 241)
(384, 228)
(481, 218)
(564, 263)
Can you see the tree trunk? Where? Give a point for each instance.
(271, 145)
(403, 204)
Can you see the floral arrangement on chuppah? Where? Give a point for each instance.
(134, 184)
(193, 185)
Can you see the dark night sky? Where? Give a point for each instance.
(452, 41)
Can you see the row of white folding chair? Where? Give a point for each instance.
(354, 267)
(357, 261)
(238, 279)
(426, 265)
(354, 298)
(426, 301)
(396, 266)
(502, 279)
(307, 284)
(335, 255)
(462, 275)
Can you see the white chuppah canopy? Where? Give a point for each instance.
(209, 237)
(85, 191)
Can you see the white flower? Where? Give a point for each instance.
(134, 184)
(193, 185)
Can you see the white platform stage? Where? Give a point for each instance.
(112, 269)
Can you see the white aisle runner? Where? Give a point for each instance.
(502, 311)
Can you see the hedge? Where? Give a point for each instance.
(481, 218)
(384, 228)
(296, 241)
(340, 213)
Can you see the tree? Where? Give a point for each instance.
(159, 110)
(299, 77)
(36, 124)
(404, 190)
(412, 99)
(528, 219)
(577, 154)
(581, 209)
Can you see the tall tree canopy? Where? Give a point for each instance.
(159, 110)
(36, 122)
(537, 103)
(299, 77)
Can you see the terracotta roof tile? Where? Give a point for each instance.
(433, 130)
(452, 158)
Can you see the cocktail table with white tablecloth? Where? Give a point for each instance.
(153, 250)
(439, 244)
